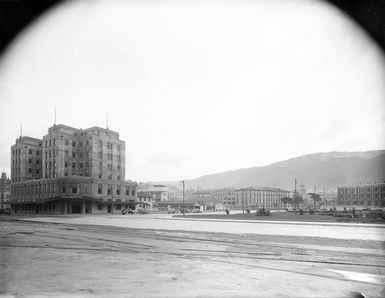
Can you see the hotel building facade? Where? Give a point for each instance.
(70, 170)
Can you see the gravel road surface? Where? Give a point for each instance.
(66, 259)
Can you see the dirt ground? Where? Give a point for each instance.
(67, 260)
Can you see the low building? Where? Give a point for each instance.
(158, 192)
(371, 195)
(144, 200)
(166, 206)
(5, 192)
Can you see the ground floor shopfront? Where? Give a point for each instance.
(72, 195)
(72, 206)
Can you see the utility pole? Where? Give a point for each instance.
(315, 192)
(295, 194)
(2, 193)
(112, 200)
(183, 197)
(325, 201)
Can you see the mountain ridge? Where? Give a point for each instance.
(324, 169)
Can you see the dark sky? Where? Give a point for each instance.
(17, 14)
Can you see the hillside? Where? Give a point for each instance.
(326, 170)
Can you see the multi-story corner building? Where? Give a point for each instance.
(5, 192)
(362, 195)
(81, 171)
(261, 197)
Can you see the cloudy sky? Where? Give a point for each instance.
(197, 87)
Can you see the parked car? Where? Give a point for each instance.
(262, 212)
(143, 210)
(5, 212)
(128, 211)
(172, 211)
(196, 211)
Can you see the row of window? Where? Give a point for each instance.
(53, 174)
(74, 165)
(355, 198)
(52, 142)
(30, 161)
(33, 189)
(145, 199)
(30, 207)
(260, 192)
(360, 195)
(353, 191)
(117, 206)
(376, 202)
(109, 145)
(259, 200)
(37, 171)
(53, 153)
(16, 152)
(85, 154)
(30, 151)
(51, 189)
(101, 190)
(262, 195)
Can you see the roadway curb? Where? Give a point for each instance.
(361, 225)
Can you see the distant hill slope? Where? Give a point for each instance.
(326, 170)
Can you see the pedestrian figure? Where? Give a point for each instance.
(227, 211)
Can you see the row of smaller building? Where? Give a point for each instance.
(252, 197)
(371, 195)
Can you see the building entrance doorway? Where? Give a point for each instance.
(76, 208)
(109, 208)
